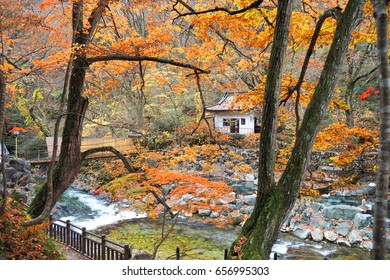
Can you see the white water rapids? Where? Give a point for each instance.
(94, 212)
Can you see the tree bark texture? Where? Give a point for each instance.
(2, 122)
(275, 200)
(382, 191)
(69, 162)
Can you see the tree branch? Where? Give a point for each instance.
(253, 5)
(335, 12)
(124, 57)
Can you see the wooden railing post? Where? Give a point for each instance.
(177, 253)
(127, 252)
(67, 238)
(51, 226)
(226, 254)
(83, 241)
(103, 252)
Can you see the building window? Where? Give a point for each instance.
(243, 121)
(226, 122)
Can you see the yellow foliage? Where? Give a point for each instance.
(245, 168)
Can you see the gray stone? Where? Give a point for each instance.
(306, 216)
(367, 245)
(318, 207)
(346, 193)
(10, 172)
(317, 235)
(214, 215)
(302, 233)
(249, 177)
(355, 237)
(344, 212)
(204, 212)
(152, 162)
(367, 233)
(250, 185)
(362, 220)
(236, 218)
(343, 242)
(330, 169)
(184, 199)
(330, 236)
(20, 165)
(369, 189)
(318, 222)
(249, 200)
(343, 229)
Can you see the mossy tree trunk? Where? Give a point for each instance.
(275, 200)
(382, 189)
(69, 162)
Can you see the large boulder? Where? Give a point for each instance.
(204, 212)
(330, 236)
(302, 233)
(317, 235)
(355, 237)
(362, 220)
(344, 212)
(318, 222)
(343, 229)
(20, 165)
(236, 218)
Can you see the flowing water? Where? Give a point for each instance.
(196, 240)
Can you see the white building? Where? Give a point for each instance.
(229, 118)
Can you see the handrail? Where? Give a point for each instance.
(87, 243)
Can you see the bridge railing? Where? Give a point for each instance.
(87, 243)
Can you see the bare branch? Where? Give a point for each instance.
(124, 57)
(335, 12)
(253, 5)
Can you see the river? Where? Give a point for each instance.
(196, 240)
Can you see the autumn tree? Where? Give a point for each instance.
(274, 199)
(86, 17)
(18, 46)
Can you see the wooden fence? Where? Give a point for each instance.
(87, 243)
(94, 246)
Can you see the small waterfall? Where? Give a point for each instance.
(86, 210)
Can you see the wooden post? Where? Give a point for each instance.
(103, 252)
(67, 233)
(177, 253)
(226, 254)
(51, 226)
(83, 241)
(127, 252)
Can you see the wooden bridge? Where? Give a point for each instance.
(122, 144)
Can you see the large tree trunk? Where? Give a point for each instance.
(274, 201)
(380, 215)
(69, 162)
(2, 122)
